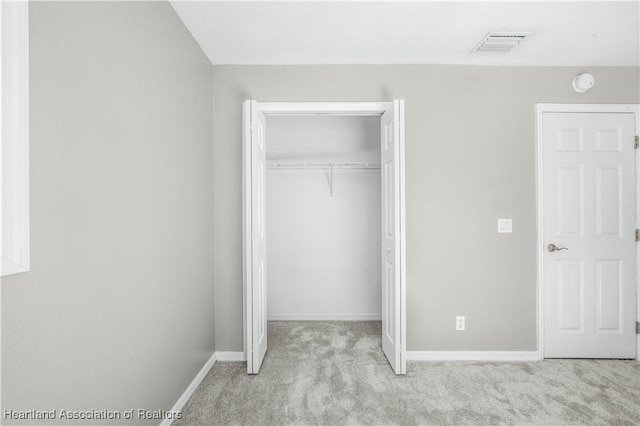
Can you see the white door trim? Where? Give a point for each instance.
(403, 243)
(318, 108)
(325, 108)
(246, 226)
(542, 108)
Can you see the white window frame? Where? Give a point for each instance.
(14, 164)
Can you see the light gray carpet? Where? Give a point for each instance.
(335, 373)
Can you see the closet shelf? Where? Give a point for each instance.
(325, 165)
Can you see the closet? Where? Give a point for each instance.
(323, 219)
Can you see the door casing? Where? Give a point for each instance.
(542, 108)
(324, 109)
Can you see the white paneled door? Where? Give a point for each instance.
(393, 318)
(256, 249)
(589, 250)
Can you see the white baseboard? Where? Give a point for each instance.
(180, 403)
(472, 356)
(324, 317)
(230, 356)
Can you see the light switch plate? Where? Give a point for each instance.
(505, 226)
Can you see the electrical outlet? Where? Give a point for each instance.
(460, 323)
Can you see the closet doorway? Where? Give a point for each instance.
(258, 160)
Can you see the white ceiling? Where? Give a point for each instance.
(565, 33)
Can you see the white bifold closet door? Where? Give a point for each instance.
(392, 218)
(392, 183)
(255, 247)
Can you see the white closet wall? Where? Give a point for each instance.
(323, 249)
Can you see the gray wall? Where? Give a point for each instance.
(470, 149)
(118, 309)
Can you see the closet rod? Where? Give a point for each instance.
(351, 165)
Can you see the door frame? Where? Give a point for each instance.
(542, 108)
(323, 109)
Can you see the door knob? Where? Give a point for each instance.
(552, 247)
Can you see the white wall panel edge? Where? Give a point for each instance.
(227, 356)
(324, 317)
(472, 356)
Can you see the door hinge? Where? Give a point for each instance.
(637, 327)
(637, 234)
(637, 143)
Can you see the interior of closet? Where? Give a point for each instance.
(323, 217)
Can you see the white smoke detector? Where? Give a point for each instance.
(583, 82)
(501, 41)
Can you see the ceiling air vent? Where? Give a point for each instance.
(500, 42)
